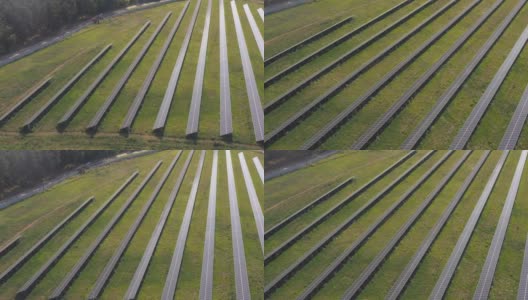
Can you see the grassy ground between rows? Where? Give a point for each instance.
(77, 50)
(492, 126)
(59, 201)
(506, 279)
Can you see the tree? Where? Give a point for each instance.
(21, 20)
(86, 7)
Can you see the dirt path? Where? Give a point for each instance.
(35, 222)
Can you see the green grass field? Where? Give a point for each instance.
(282, 29)
(35, 216)
(66, 58)
(290, 192)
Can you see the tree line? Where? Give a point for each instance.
(20, 170)
(266, 2)
(24, 20)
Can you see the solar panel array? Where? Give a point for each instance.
(135, 206)
(342, 258)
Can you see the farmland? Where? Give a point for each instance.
(437, 224)
(155, 225)
(177, 75)
(414, 74)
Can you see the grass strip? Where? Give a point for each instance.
(523, 282)
(332, 126)
(374, 265)
(140, 97)
(177, 257)
(450, 267)
(9, 245)
(409, 270)
(163, 112)
(257, 114)
(239, 256)
(288, 243)
(343, 57)
(24, 291)
(488, 271)
(37, 246)
(415, 137)
(289, 271)
(306, 40)
(102, 279)
(384, 120)
(480, 108)
(74, 272)
(139, 275)
(254, 29)
(511, 136)
(253, 199)
(70, 114)
(206, 281)
(94, 123)
(307, 207)
(196, 100)
(31, 94)
(338, 262)
(303, 113)
(28, 125)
